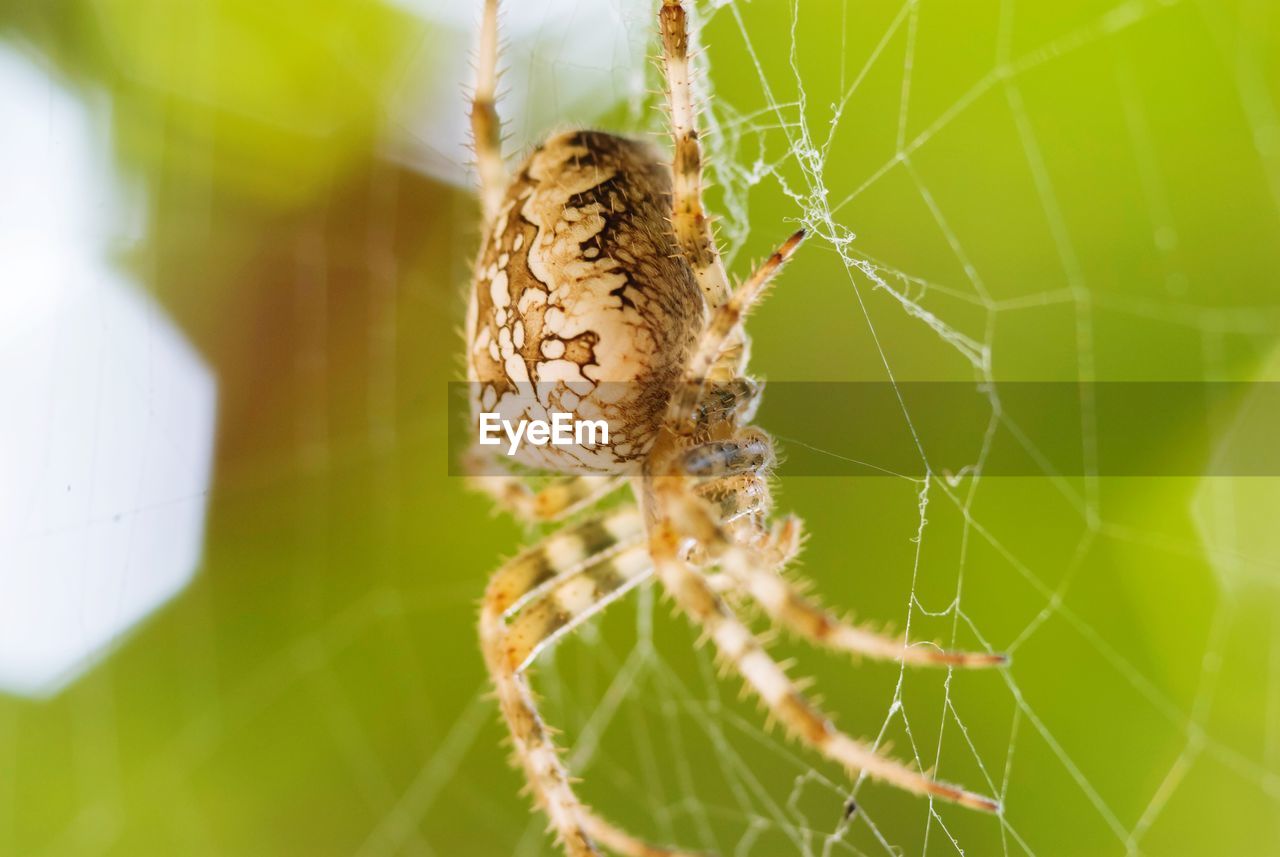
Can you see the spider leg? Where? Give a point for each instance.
(550, 589)
(560, 498)
(784, 600)
(728, 316)
(486, 125)
(600, 561)
(723, 331)
(678, 518)
(573, 599)
(561, 554)
(688, 218)
(787, 605)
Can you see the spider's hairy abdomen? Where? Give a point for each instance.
(581, 301)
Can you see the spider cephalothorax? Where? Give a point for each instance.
(599, 291)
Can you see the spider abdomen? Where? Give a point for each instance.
(581, 302)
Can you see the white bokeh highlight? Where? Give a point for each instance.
(106, 412)
(1235, 516)
(564, 63)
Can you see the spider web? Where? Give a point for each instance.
(1096, 740)
(996, 191)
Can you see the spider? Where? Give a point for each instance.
(599, 285)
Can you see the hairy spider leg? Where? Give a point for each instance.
(486, 125)
(723, 335)
(784, 600)
(688, 218)
(538, 581)
(556, 500)
(679, 518)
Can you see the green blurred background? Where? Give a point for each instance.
(1047, 192)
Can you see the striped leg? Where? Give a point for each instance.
(728, 317)
(786, 604)
(737, 646)
(560, 498)
(783, 600)
(560, 555)
(688, 218)
(723, 331)
(600, 561)
(550, 589)
(486, 125)
(573, 599)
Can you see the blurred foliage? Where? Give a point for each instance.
(268, 100)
